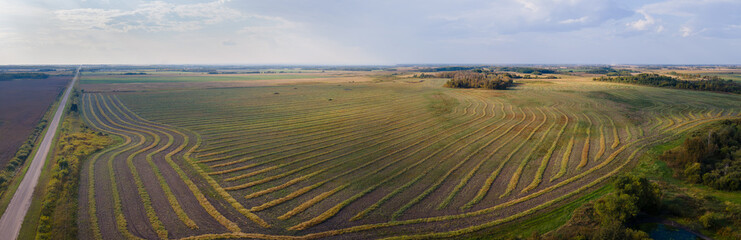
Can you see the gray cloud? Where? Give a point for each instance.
(371, 32)
(152, 16)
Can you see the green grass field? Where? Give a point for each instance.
(399, 158)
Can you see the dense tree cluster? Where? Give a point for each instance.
(608, 217)
(11, 76)
(472, 79)
(656, 80)
(632, 194)
(423, 75)
(527, 70)
(711, 157)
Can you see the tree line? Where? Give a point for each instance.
(11, 76)
(472, 79)
(16, 163)
(694, 76)
(656, 80)
(611, 216)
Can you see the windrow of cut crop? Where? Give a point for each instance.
(225, 131)
(546, 158)
(386, 132)
(494, 174)
(237, 139)
(163, 184)
(389, 152)
(473, 170)
(615, 135)
(386, 115)
(338, 141)
(334, 210)
(208, 207)
(602, 139)
(435, 185)
(420, 127)
(121, 223)
(585, 149)
(92, 209)
(186, 119)
(529, 211)
(324, 137)
(144, 196)
(325, 195)
(515, 179)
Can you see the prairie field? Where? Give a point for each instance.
(399, 158)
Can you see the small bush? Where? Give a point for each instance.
(710, 220)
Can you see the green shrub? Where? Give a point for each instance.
(711, 220)
(616, 208)
(647, 195)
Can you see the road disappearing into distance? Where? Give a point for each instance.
(12, 219)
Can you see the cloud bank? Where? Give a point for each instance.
(371, 32)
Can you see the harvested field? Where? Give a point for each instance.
(24, 103)
(365, 160)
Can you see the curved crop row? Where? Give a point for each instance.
(602, 144)
(357, 136)
(473, 170)
(332, 211)
(92, 209)
(249, 158)
(163, 184)
(585, 148)
(294, 161)
(191, 186)
(490, 179)
(296, 180)
(437, 183)
(546, 159)
(363, 166)
(121, 223)
(616, 136)
(154, 220)
(518, 173)
(235, 138)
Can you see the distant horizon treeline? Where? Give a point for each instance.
(695, 76)
(656, 80)
(526, 70)
(474, 79)
(12, 76)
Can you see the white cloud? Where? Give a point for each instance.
(153, 17)
(706, 18)
(574, 20)
(642, 24)
(686, 31)
(368, 32)
(513, 16)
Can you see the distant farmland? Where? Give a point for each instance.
(24, 102)
(365, 160)
(188, 77)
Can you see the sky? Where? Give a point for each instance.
(370, 32)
